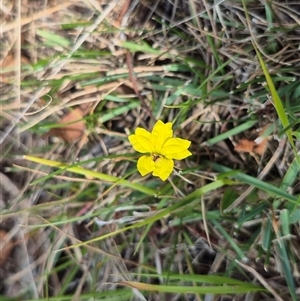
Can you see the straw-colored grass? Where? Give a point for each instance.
(78, 221)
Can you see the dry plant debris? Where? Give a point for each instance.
(6, 246)
(256, 146)
(109, 67)
(71, 127)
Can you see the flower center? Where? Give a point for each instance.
(155, 157)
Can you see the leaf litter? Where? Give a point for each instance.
(198, 34)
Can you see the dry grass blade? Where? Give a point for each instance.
(78, 219)
(260, 279)
(27, 20)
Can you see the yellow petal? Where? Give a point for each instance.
(176, 148)
(145, 165)
(141, 141)
(163, 168)
(160, 133)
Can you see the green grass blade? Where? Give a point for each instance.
(220, 290)
(236, 130)
(194, 196)
(275, 96)
(269, 188)
(277, 101)
(212, 279)
(286, 268)
(230, 240)
(119, 111)
(92, 174)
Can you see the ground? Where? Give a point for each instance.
(79, 221)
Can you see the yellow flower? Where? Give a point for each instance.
(160, 149)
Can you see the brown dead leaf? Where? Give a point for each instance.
(257, 146)
(260, 146)
(9, 63)
(6, 247)
(72, 127)
(245, 145)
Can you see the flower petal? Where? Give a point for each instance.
(145, 165)
(160, 133)
(163, 168)
(176, 148)
(141, 141)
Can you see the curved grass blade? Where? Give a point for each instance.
(93, 174)
(180, 204)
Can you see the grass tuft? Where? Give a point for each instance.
(78, 221)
